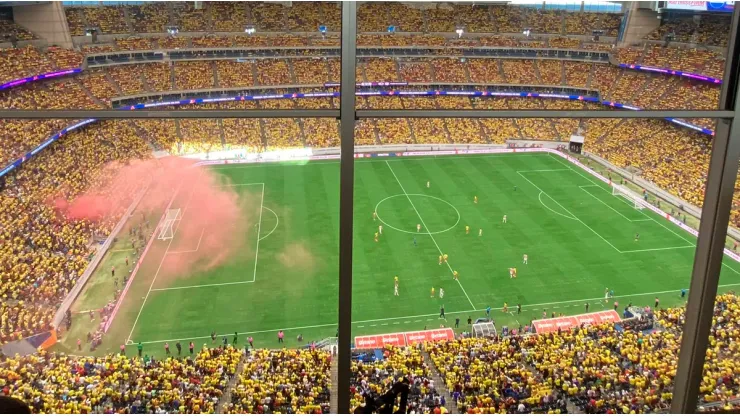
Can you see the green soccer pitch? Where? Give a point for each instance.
(580, 239)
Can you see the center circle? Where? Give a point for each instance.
(410, 202)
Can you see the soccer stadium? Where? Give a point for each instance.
(510, 207)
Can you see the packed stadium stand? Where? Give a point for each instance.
(593, 369)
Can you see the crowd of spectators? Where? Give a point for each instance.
(597, 369)
(283, 381)
(57, 383)
(234, 74)
(306, 17)
(194, 75)
(370, 379)
(708, 29)
(519, 71)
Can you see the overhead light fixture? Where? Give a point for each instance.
(250, 30)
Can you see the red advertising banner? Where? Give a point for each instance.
(401, 339)
(442, 334)
(568, 322)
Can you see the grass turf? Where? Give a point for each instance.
(578, 236)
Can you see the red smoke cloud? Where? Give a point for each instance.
(215, 219)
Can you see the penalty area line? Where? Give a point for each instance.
(201, 286)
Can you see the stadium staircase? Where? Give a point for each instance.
(333, 406)
(501, 72)
(216, 82)
(411, 130)
(113, 82)
(537, 73)
(552, 125)
(440, 384)
(147, 86)
(590, 75)
(226, 397)
(127, 19)
(172, 77)
(291, 71)
(301, 128)
(563, 76)
(92, 96)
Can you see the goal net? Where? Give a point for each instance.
(633, 197)
(166, 232)
(484, 329)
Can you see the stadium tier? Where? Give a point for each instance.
(189, 265)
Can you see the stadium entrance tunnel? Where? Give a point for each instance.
(402, 212)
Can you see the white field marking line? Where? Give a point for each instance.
(259, 230)
(380, 160)
(555, 212)
(241, 184)
(413, 232)
(566, 210)
(121, 250)
(594, 183)
(604, 203)
(524, 308)
(162, 289)
(426, 228)
(277, 221)
(541, 170)
(655, 249)
(190, 251)
(164, 256)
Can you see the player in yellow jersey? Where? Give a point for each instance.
(444, 257)
(440, 259)
(376, 237)
(375, 215)
(467, 229)
(475, 199)
(506, 307)
(432, 293)
(514, 272)
(455, 275)
(395, 279)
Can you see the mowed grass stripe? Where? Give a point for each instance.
(567, 260)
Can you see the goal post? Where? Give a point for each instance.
(633, 197)
(166, 232)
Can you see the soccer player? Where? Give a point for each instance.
(441, 293)
(395, 288)
(480, 232)
(506, 308)
(191, 346)
(488, 313)
(657, 301)
(515, 272)
(455, 275)
(395, 279)
(380, 229)
(113, 271)
(586, 305)
(236, 338)
(167, 348)
(440, 259)
(374, 215)
(475, 199)
(467, 229)
(427, 184)
(376, 237)
(444, 257)
(179, 348)
(504, 219)
(442, 312)
(418, 228)
(525, 259)
(683, 293)
(432, 293)
(518, 308)
(414, 241)
(637, 237)
(606, 293)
